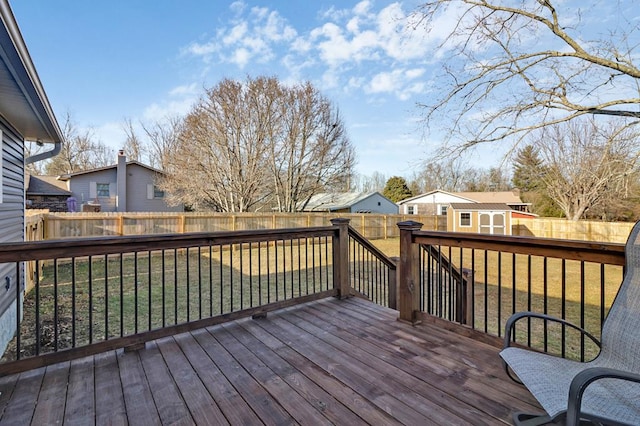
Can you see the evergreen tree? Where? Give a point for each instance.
(397, 189)
(528, 177)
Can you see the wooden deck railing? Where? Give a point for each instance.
(93, 295)
(373, 274)
(480, 280)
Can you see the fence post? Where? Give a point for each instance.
(341, 257)
(409, 274)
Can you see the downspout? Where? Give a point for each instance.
(57, 146)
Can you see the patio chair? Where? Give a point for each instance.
(606, 389)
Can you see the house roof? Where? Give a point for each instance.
(331, 201)
(45, 185)
(481, 206)
(23, 101)
(67, 176)
(426, 194)
(507, 197)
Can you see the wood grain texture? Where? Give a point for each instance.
(324, 362)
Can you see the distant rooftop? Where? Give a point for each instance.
(331, 201)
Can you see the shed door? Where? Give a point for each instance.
(492, 223)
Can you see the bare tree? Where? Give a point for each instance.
(513, 67)
(309, 148)
(133, 147)
(259, 144)
(374, 182)
(220, 159)
(162, 138)
(444, 174)
(587, 166)
(79, 151)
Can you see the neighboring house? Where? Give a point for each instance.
(25, 115)
(351, 202)
(432, 203)
(510, 198)
(437, 202)
(46, 192)
(128, 186)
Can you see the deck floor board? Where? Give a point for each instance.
(325, 362)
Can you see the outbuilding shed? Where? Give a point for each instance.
(482, 218)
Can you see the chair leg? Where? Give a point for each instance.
(528, 419)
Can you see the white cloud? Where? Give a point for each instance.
(237, 33)
(185, 90)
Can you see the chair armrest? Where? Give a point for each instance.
(511, 323)
(583, 379)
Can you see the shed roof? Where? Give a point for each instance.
(481, 206)
(23, 101)
(45, 185)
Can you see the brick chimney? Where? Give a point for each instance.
(121, 187)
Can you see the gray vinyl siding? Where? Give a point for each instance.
(138, 178)
(370, 204)
(137, 200)
(80, 188)
(11, 217)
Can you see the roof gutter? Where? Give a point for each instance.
(57, 146)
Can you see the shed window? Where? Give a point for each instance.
(102, 190)
(465, 219)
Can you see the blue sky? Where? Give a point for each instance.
(104, 61)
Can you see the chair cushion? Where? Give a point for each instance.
(548, 379)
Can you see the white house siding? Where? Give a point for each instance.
(430, 203)
(138, 179)
(376, 203)
(80, 187)
(11, 227)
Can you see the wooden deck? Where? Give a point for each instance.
(327, 362)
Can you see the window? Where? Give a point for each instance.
(443, 210)
(465, 219)
(154, 191)
(102, 190)
(410, 210)
(157, 192)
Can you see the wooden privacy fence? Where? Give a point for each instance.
(584, 230)
(74, 225)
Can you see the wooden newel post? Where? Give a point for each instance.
(409, 274)
(341, 257)
(393, 280)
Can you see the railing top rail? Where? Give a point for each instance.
(373, 249)
(591, 251)
(76, 247)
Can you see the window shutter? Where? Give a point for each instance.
(113, 190)
(149, 191)
(93, 191)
